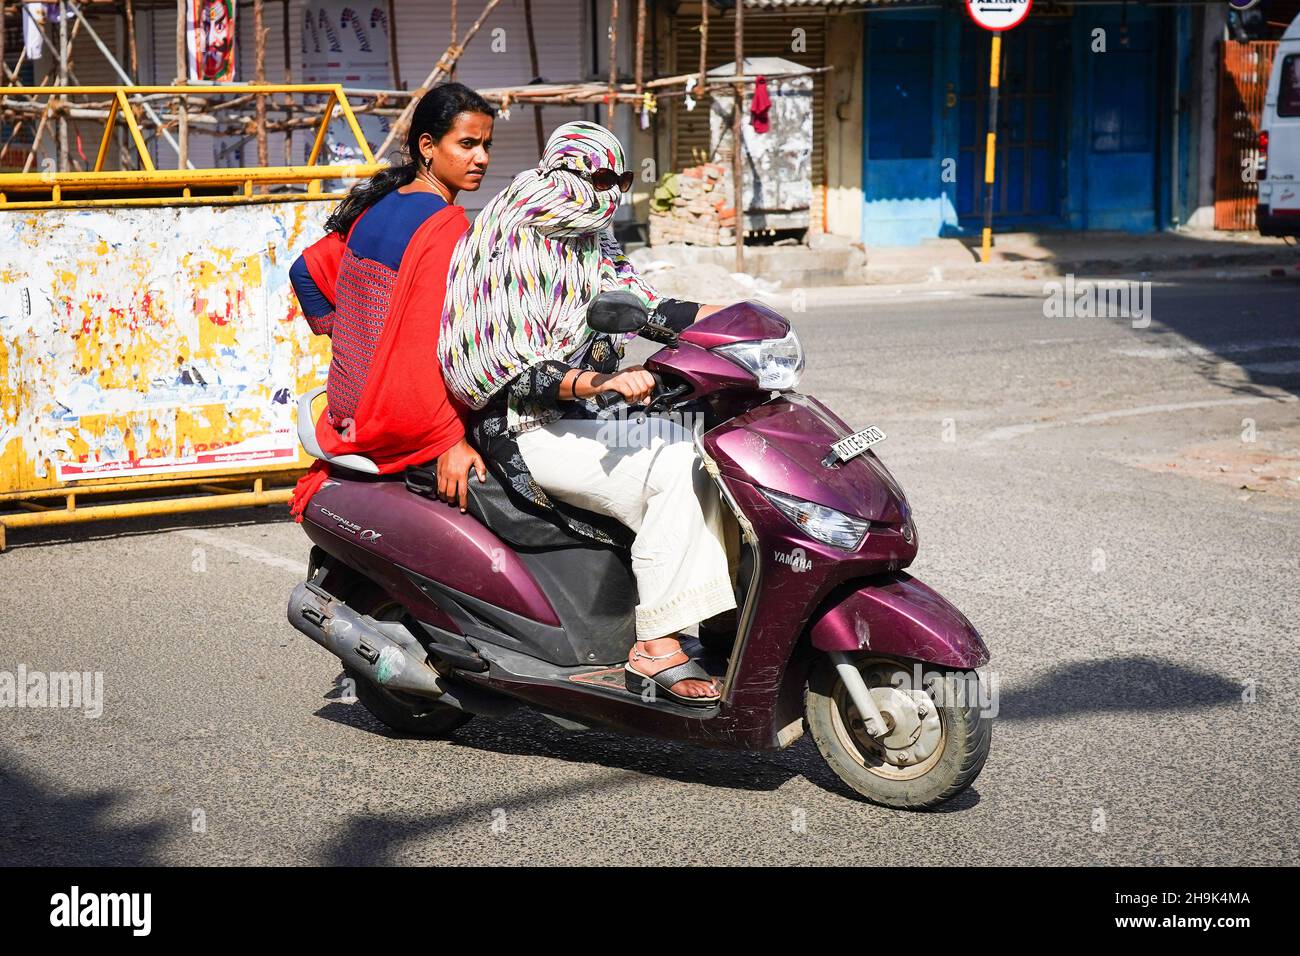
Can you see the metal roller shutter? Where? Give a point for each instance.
(499, 59)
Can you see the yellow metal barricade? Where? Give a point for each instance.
(151, 346)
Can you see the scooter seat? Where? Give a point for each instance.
(590, 586)
(501, 513)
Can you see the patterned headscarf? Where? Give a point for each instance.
(539, 252)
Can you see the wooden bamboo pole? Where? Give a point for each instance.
(704, 48)
(130, 36)
(4, 60)
(259, 76)
(441, 70)
(737, 159)
(40, 130)
(182, 77)
(532, 59)
(639, 78)
(454, 12)
(392, 45)
(613, 62)
(123, 53)
(288, 76)
(64, 157)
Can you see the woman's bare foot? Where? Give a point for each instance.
(667, 646)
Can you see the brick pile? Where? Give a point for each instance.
(694, 207)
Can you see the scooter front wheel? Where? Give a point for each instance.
(937, 742)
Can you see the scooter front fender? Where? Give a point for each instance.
(898, 616)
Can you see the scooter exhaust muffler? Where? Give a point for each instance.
(384, 651)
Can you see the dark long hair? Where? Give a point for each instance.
(435, 113)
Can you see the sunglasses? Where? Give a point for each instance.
(604, 179)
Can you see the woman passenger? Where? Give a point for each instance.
(375, 284)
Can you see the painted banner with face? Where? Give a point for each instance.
(210, 27)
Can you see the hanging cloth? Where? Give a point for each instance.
(759, 104)
(33, 41)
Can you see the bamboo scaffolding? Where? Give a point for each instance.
(257, 115)
(308, 115)
(441, 70)
(112, 60)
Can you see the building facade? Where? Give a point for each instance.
(1093, 130)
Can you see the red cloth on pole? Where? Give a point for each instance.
(405, 416)
(759, 104)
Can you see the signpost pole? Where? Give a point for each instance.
(995, 57)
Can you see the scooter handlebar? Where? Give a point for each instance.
(607, 400)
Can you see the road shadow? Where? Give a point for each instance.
(1121, 685)
(528, 734)
(40, 827)
(372, 840)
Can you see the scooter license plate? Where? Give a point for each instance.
(854, 445)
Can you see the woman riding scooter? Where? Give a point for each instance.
(515, 347)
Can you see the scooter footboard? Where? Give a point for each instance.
(898, 616)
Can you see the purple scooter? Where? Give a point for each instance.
(438, 615)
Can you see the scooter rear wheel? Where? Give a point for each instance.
(405, 713)
(938, 742)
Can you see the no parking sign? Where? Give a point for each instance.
(998, 15)
(995, 16)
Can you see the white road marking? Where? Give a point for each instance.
(1200, 351)
(250, 551)
(1007, 432)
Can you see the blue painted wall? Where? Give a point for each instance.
(1112, 167)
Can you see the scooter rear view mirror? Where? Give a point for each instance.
(614, 312)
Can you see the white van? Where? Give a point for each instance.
(1279, 142)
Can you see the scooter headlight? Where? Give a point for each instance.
(817, 521)
(776, 363)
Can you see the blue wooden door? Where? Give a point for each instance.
(1120, 125)
(905, 197)
(1028, 181)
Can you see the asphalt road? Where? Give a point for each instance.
(1078, 488)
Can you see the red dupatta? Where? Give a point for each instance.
(404, 416)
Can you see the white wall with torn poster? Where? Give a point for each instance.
(152, 341)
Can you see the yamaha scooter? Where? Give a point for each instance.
(439, 616)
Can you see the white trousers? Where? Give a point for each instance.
(647, 476)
